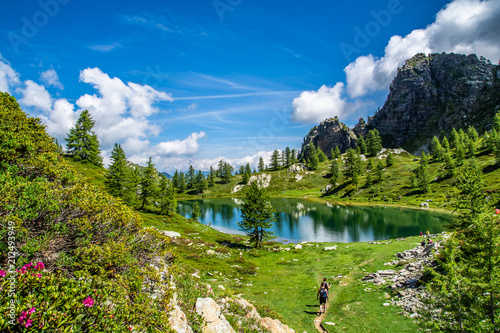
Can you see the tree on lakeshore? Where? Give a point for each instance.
(258, 216)
(196, 212)
(211, 177)
(200, 182)
(82, 143)
(191, 177)
(379, 169)
(422, 173)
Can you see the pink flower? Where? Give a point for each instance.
(2, 273)
(497, 211)
(40, 265)
(88, 302)
(32, 310)
(28, 323)
(22, 317)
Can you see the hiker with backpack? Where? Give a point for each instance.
(323, 296)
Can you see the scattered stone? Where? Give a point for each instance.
(221, 287)
(298, 247)
(263, 180)
(331, 248)
(295, 259)
(171, 234)
(215, 320)
(237, 188)
(330, 323)
(386, 304)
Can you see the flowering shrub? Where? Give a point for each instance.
(83, 257)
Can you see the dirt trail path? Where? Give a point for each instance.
(318, 321)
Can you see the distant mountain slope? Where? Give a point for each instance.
(429, 95)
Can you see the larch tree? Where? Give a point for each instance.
(258, 216)
(118, 177)
(82, 143)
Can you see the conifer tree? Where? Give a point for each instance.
(241, 169)
(471, 147)
(294, 156)
(437, 150)
(288, 157)
(182, 182)
(313, 160)
(196, 212)
(118, 175)
(166, 197)
(466, 286)
(82, 143)
(191, 177)
(337, 152)
(361, 144)
(336, 172)
(422, 174)
(369, 180)
(373, 142)
(211, 177)
(135, 181)
(332, 154)
(261, 165)
(454, 139)
(449, 166)
(353, 166)
(389, 161)
(379, 168)
(149, 183)
(321, 156)
(463, 137)
(459, 153)
(275, 160)
(369, 165)
(200, 182)
(175, 179)
(496, 122)
(445, 144)
(472, 133)
(258, 216)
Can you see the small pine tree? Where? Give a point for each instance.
(459, 153)
(449, 166)
(454, 138)
(369, 181)
(361, 144)
(389, 161)
(275, 160)
(379, 169)
(437, 150)
(336, 173)
(262, 167)
(373, 142)
(258, 216)
(211, 177)
(353, 166)
(332, 154)
(82, 143)
(149, 183)
(496, 122)
(321, 156)
(472, 133)
(200, 182)
(445, 144)
(166, 197)
(196, 212)
(369, 165)
(118, 175)
(337, 152)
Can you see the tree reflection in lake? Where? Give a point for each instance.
(303, 220)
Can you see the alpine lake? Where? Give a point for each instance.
(300, 220)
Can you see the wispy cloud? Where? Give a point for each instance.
(105, 47)
(258, 93)
(148, 21)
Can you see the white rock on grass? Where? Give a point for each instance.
(298, 247)
(215, 321)
(331, 248)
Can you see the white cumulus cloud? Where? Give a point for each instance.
(35, 95)
(120, 110)
(188, 146)
(316, 106)
(50, 78)
(8, 76)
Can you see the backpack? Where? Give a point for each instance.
(323, 293)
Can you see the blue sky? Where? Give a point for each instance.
(191, 82)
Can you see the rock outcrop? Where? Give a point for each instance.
(329, 134)
(431, 94)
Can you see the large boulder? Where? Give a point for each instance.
(215, 321)
(178, 320)
(275, 326)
